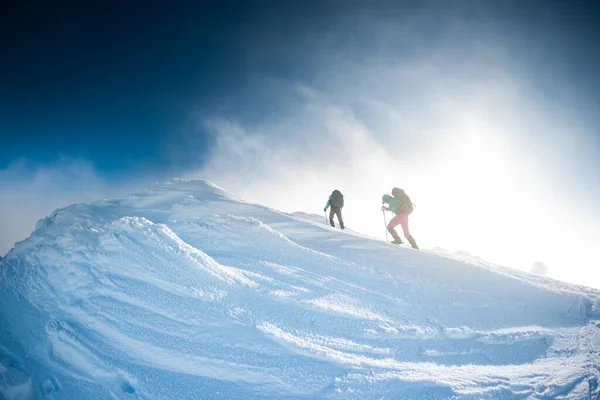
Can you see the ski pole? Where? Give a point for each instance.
(385, 226)
(326, 220)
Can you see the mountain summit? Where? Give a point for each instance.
(183, 291)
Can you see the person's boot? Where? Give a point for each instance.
(412, 242)
(394, 234)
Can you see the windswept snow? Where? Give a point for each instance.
(184, 291)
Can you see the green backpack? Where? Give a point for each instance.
(337, 199)
(406, 206)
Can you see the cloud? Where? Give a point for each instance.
(294, 160)
(30, 192)
(539, 268)
(446, 125)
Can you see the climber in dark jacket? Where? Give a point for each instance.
(336, 201)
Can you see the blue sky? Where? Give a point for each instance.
(115, 85)
(269, 98)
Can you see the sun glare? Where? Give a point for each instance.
(473, 198)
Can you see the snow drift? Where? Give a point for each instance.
(184, 291)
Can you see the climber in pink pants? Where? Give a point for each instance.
(400, 205)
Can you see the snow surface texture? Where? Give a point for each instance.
(185, 292)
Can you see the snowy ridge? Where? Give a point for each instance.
(183, 291)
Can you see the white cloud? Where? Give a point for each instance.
(29, 193)
(474, 187)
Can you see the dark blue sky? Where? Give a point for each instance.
(108, 82)
(114, 82)
(117, 82)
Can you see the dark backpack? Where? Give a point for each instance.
(337, 199)
(406, 206)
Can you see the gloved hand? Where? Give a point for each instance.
(383, 208)
(324, 210)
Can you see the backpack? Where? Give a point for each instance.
(406, 206)
(337, 199)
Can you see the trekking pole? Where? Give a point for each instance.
(326, 220)
(385, 226)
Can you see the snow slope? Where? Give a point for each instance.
(183, 291)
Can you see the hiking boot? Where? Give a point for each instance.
(394, 234)
(412, 242)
